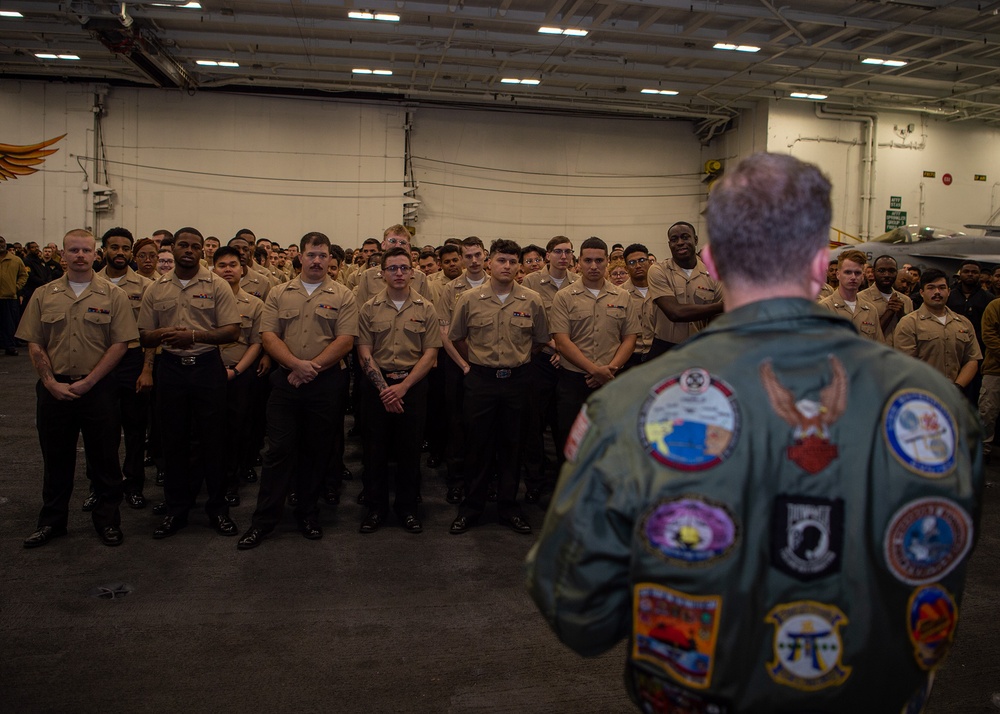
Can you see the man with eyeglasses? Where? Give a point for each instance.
(637, 265)
(538, 481)
(370, 282)
(398, 342)
(686, 296)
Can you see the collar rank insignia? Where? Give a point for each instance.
(812, 450)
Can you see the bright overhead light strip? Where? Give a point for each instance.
(50, 56)
(217, 63)
(380, 72)
(883, 62)
(368, 15)
(806, 95)
(513, 80)
(667, 92)
(186, 6)
(10, 13)
(559, 31)
(735, 48)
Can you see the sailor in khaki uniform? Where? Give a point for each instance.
(370, 281)
(637, 264)
(397, 344)
(134, 374)
(938, 336)
(189, 312)
(845, 300)
(77, 329)
(686, 295)
(890, 303)
(595, 326)
(496, 326)
(240, 359)
(545, 375)
(308, 328)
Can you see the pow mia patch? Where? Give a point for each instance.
(658, 696)
(926, 539)
(807, 536)
(676, 632)
(807, 645)
(931, 619)
(690, 422)
(920, 432)
(690, 530)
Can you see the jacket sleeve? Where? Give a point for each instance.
(578, 571)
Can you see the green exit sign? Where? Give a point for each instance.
(895, 202)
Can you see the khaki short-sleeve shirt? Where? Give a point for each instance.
(205, 303)
(876, 298)
(864, 317)
(499, 334)
(545, 285)
(251, 312)
(371, 283)
(306, 323)
(448, 296)
(646, 311)
(134, 286)
(667, 279)
(945, 347)
(595, 324)
(398, 338)
(77, 331)
(255, 284)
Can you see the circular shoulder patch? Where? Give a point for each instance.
(931, 619)
(926, 539)
(690, 530)
(920, 432)
(690, 421)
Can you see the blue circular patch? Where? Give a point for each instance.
(926, 539)
(920, 432)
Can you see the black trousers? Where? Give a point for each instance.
(541, 411)
(493, 412)
(300, 427)
(393, 435)
(635, 360)
(571, 392)
(454, 395)
(659, 347)
(334, 477)
(60, 424)
(135, 418)
(436, 424)
(190, 409)
(239, 428)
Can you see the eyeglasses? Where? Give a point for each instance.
(397, 241)
(562, 251)
(637, 261)
(396, 269)
(532, 261)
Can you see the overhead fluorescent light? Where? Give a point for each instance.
(69, 57)
(369, 15)
(806, 95)
(559, 31)
(381, 72)
(51, 56)
(207, 63)
(735, 48)
(883, 62)
(10, 13)
(514, 80)
(668, 92)
(188, 6)
(361, 71)
(229, 64)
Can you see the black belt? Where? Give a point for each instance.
(496, 372)
(69, 378)
(192, 360)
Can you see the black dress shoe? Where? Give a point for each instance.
(112, 535)
(352, 432)
(331, 498)
(293, 499)
(224, 525)
(160, 509)
(159, 478)
(424, 446)
(532, 495)
(433, 462)
(411, 524)
(311, 530)
(250, 539)
(460, 525)
(170, 526)
(148, 461)
(371, 523)
(42, 536)
(90, 503)
(517, 524)
(491, 493)
(361, 498)
(250, 476)
(135, 500)
(232, 498)
(454, 495)
(346, 474)
(11, 353)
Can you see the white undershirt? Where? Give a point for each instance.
(852, 306)
(557, 282)
(886, 297)
(184, 283)
(502, 298)
(310, 287)
(399, 304)
(116, 280)
(594, 292)
(943, 319)
(642, 291)
(688, 271)
(78, 288)
(476, 283)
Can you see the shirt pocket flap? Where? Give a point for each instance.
(99, 318)
(413, 326)
(51, 317)
(165, 304)
(522, 321)
(326, 312)
(246, 322)
(288, 313)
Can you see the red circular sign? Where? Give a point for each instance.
(946, 179)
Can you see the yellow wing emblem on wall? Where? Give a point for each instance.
(18, 161)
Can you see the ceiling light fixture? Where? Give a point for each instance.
(883, 62)
(186, 6)
(559, 31)
(10, 13)
(50, 56)
(217, 63)
(668, 92)
(512, 80)
(735, 48)
(381, 72)
(806, 95)
(369, 15)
